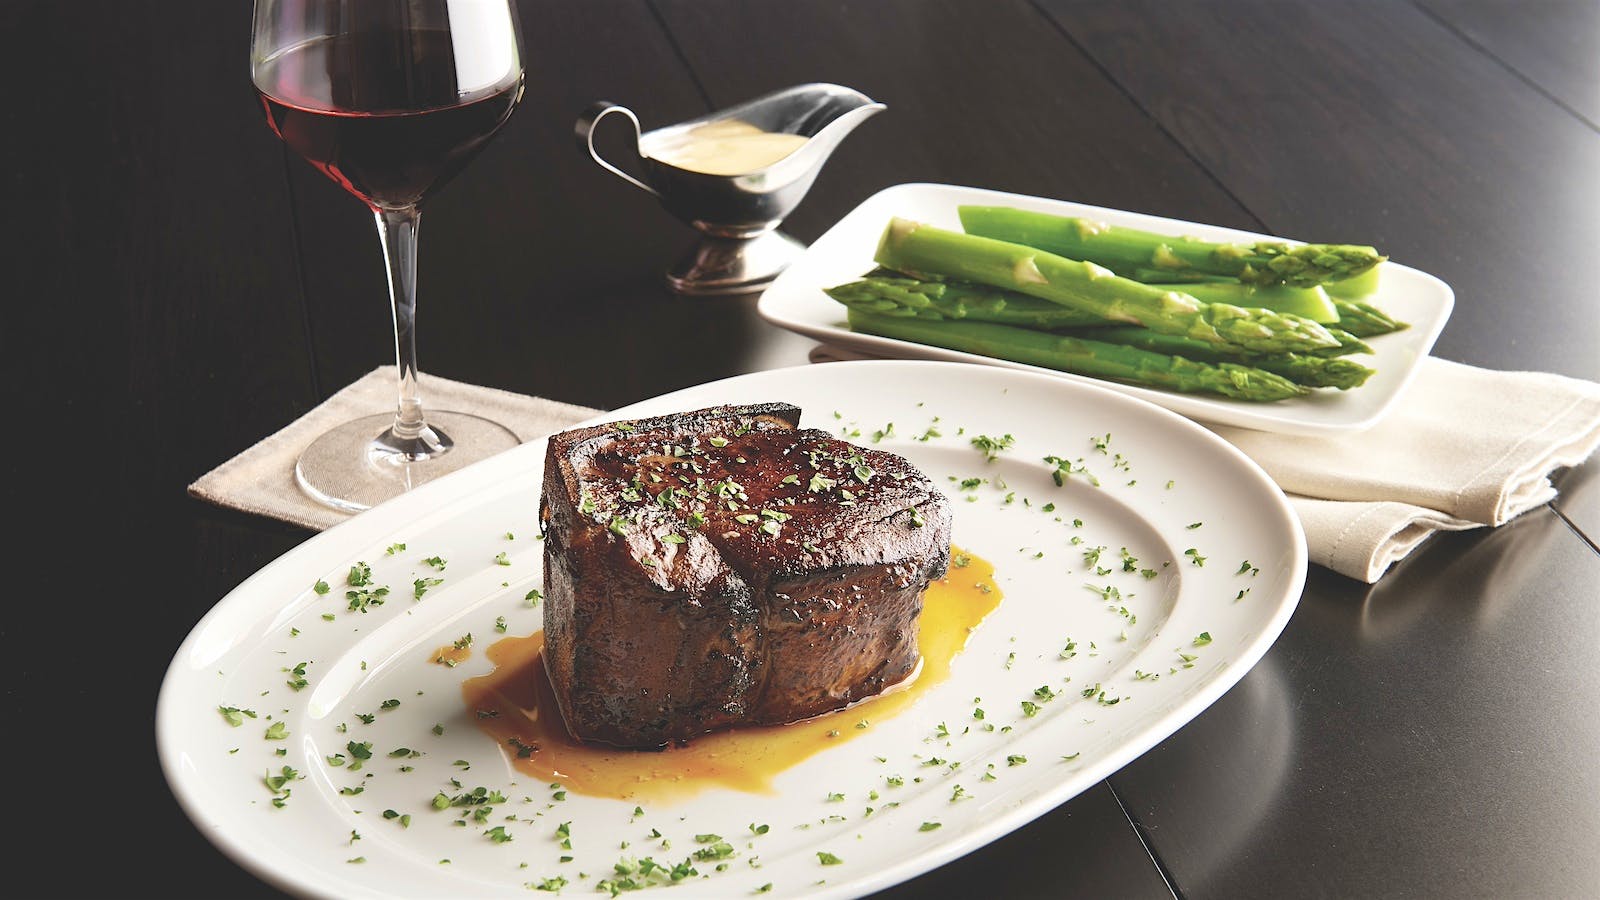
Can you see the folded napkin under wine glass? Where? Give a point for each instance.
(261, 479)
(1463, 448)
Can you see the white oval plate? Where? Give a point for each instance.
(1159, 474)
(796, 302)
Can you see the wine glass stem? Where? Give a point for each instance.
(398, 229)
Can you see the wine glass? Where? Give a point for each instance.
(390, 98)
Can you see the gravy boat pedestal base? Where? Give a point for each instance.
(724, 265)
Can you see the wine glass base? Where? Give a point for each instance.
(361, 463)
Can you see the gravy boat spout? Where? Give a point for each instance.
(704, 174)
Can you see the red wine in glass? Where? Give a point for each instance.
(390, 99)
(382, 112)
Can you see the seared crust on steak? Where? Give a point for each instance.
(724, 567)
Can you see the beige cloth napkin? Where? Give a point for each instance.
(261, 479)
(1463, 448)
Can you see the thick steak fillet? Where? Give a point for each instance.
(725, 567)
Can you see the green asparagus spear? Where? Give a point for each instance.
(1348, 344)
(891, 295)
(1150, 275)
(1083, 357)
(1124, 250)
(1311, 302)
(1358, 287)
(1365, 320)
(1311, 371)
(886, 295)
(919, 250)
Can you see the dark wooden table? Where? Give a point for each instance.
(178, 287)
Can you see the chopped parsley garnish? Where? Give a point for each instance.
(500, 559)
(1194, 555)
(992, 447)
(820, 483)
(1202, 639)
(235, 716)
(533, 597)
(929, 826)
(297, 676)
(1065, 468)
(393, 549)
(279, 785)
(438, 562)
(277, 731)
(718, 850)
(828, 859)
(321, 588)
(360, 575)
(363, 600)
(422, 585)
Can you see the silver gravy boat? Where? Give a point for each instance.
(739, 249)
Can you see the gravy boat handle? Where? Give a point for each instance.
(584, 130)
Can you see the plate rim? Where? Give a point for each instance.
(380, 520)
(1221, 412)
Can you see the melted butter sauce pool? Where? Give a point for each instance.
(515, 705)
